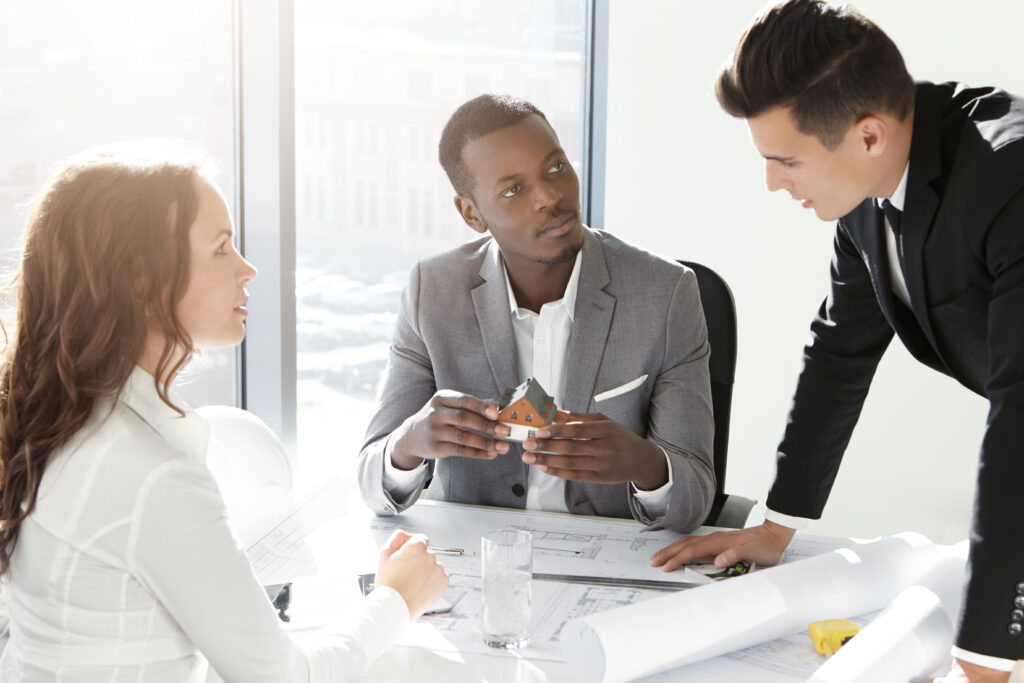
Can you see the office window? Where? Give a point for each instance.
(78, 74)
(389, 75)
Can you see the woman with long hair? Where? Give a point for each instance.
(116, 555)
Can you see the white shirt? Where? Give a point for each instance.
(542, 343)
(126, 570)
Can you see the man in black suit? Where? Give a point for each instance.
(927, 184)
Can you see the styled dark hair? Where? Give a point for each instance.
(476, 118)
(829, 64)
(106, 258)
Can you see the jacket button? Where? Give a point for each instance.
(1018, 602)
(518, 490)
(1015, 629)
(1020, 588)
(1017, 615)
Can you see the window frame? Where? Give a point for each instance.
(266, 209)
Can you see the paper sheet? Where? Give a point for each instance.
(697, 624)
(562, 543)
(281, 555)
(911, 638)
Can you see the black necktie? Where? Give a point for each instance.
(895, 218)
(893, 215)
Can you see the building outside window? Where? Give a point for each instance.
(74, 75)
(385, 77)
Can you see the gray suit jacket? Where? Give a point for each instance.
(636, 314)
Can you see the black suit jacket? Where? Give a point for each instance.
(963, 250)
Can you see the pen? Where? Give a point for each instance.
(452, 551)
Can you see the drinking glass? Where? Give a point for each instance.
(507, 569)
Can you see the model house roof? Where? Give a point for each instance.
(533, 394)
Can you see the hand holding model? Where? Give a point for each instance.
(442, 427)
(595, 448)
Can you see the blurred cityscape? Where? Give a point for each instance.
(374, 83)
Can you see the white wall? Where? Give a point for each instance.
(685, 181)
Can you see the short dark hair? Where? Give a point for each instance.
(831, 65)
(476, 118)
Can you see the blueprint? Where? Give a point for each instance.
(281, 555)
(572, 545)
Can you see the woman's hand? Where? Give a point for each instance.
(409, 566)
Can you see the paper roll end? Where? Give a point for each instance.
(583, 650)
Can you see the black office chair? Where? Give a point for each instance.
(720, 312)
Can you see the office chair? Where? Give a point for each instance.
(720, 313)
(254, 475)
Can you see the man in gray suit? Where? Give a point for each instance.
(614, 333)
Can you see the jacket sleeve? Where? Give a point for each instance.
(848, 337)
(994, 595)
(680, 417)
(407, 386)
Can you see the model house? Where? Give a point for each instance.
(526, 408)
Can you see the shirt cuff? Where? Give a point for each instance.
(401, 483)
(385, 617)
(997, 663)
(786, 520)
(655, 503)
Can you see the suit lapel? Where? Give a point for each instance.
(876, 255)
(490, 301)
(921, 203)
(591, 323)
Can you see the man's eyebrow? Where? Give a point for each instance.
(557, 151)
(502, 181)
(771, 157)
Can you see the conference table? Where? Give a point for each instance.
(447, 647)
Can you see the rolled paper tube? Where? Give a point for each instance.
(668, 632)
(911, 638)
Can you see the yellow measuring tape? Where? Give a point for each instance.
(831, 634)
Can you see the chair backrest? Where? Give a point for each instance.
(720, 313)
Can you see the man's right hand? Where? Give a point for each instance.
(440, 430)
(762, 545)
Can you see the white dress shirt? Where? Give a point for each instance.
(899, 288)
(127, 570)
(542, 342)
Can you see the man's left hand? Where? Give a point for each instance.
(965, 672)
(597, 449)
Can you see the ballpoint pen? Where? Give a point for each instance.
(452, 551)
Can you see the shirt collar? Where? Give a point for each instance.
(188, 431)
(568, 297)
(899, 195)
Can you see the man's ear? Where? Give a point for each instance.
(467, 209)
(872, 134)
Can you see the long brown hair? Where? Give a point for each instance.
(106, 254)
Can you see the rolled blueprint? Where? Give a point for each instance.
(911, 638)
(664, 633)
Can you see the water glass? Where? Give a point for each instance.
(507, 569)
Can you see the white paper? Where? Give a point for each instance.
(677, 629)
(912, 638)
(562, 544)
(281, 555)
